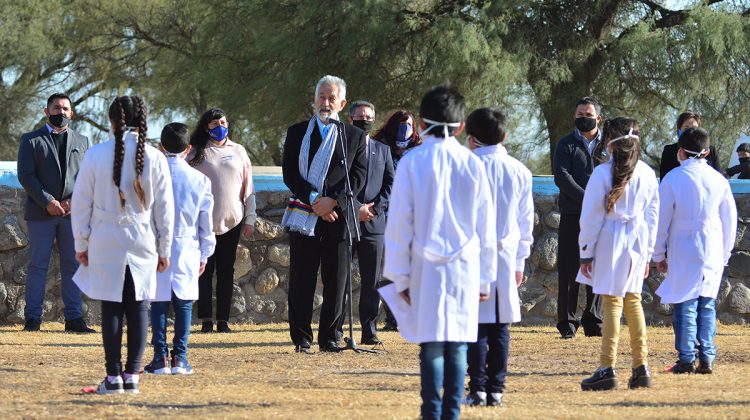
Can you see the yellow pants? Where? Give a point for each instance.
(611, 312)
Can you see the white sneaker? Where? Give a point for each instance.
(131, 384)
(494, 399)
(107, 387)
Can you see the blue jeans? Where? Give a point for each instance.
(488, 358)
(442, 365)
(42, 235)
(695, 326)
(183, 312)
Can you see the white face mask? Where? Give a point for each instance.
(678, 158)
(445, 125)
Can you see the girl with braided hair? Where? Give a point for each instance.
(618, 232)
(228, 167)
(122, 213)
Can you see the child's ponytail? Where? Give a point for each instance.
(623, 141)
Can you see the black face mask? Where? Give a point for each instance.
(59, 120)
(744, 159)
(364, 125)
(585, 124)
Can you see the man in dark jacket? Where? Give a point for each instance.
(573, 163)
(48, 161)
(313, 167)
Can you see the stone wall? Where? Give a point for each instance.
(262, 269)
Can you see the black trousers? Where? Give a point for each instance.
(488, 358)
(330, 253)
(370, 254)
(568, 264)
(222, 261)
(113, 313)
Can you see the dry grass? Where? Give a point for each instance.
(255, 373)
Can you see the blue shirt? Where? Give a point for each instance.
(590, 145)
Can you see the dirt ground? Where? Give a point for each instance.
(254, 373)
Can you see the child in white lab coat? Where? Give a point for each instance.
(697, 228)
(618, 230)
(193, 242)
(510, 186)
(441, 249)
(122, 215)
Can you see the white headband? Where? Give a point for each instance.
(630, 135)
(437, 123)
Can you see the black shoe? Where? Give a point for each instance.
(641, 378)
(683, 367)
(389, 326)
(603, 379)
(32, 325)
(130, 385)
(705, 367)
(494, 399)
(567, 335)
(303, 347)
(371, 341)
(329, 347)
(207, 326)
(592, 332)
(475, 399)
(222, 327)
(78, 325)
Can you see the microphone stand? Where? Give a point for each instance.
(349, 215)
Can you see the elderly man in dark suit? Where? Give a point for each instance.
(48, 161)
(372, 205)
(313, 167)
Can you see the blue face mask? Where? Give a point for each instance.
(218, 133)
(679, 133)
(404, 135)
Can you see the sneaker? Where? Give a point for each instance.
(705, 367)
(475, 399)
(683, 367)
(641, 378)
(131, 384)
(181, 366)
(222, 327)
(158, 366)
(107, 387)
(207, 326)
(494, 399)
(603, 379)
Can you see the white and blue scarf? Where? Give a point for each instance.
(299, 216)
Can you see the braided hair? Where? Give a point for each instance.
(199, 138)
(129, 112)
(625, 151)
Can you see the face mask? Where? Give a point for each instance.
(745, 159)
(585, 124)
(679, 133)
(403, 137)
(59, 120)
(218, 133)
(364, 125)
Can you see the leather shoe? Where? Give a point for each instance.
(389, 326)
(705, 367)
(641, 378)
(32, 325)
(683, 367)
(603, 379)
(78, 325)
(303, 347)
(222, 327)
(371, 341)
(329, 347)
(207, 326)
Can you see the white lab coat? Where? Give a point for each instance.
(697, 228)
(193, 240)
(620, 242)
(115, 237)
(440, 240)
(510, 185)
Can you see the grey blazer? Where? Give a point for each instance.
(39, 170)
(377, 189)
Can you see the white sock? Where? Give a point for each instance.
(113, 379)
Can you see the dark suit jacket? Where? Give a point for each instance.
(669, 159)
(377, 187)
(39, 169)
(335, 182)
